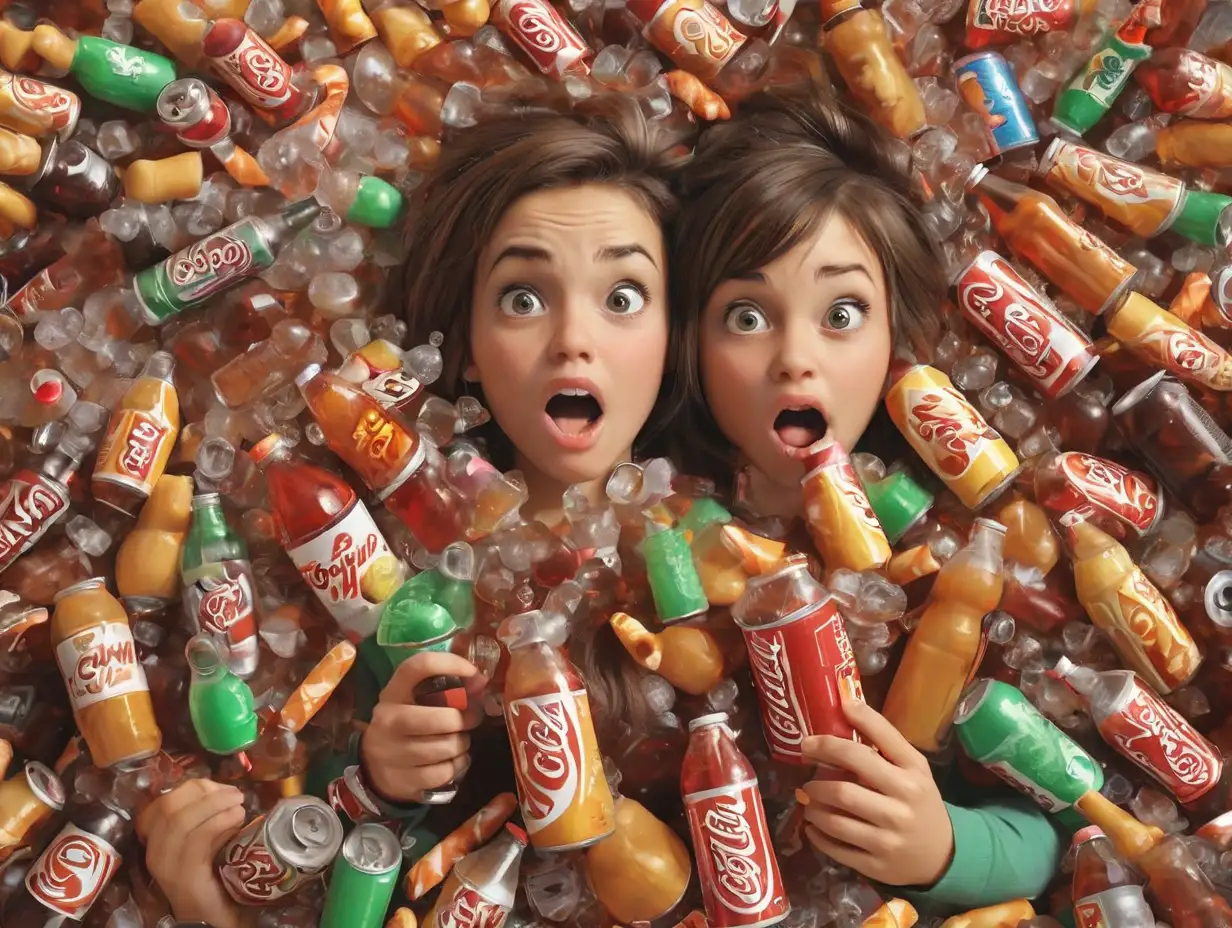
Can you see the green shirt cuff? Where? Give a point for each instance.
(1004, 849)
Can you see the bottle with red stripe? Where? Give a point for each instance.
(1107, 891)
(736, 865)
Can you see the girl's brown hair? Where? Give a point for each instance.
(763, 183)
(481, 173)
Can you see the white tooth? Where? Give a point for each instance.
(574, 391)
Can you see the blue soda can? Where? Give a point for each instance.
(987, 84)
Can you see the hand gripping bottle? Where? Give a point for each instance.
(801, 659)
(1147, 731)
(106, 683)
(947, 644)
(219, 590)
(736, 864)
(139, 438)
(1127, 607)
(75, 868)
(331, 538)
(1183, 895)
(565, 799)
(1107, 893)
(481, 887)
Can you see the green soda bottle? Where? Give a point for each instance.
(1095, 88)
(120, 74)
(219, 703)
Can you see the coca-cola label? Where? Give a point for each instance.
(550, 753)
(468, 908)
(950, 432)
(220, 600)
(135, 444)
(31, 503)
(250, 871)
(1023, 322)
(1021, 17)
(802, 667)
(1112, 907)
(100, 663)
(210, 265)
(543, 34)
(736, 865)
(335, 563)
(1149, 732)
(1024, 784)
(256, 72)
(72, 872)
(1128, 496)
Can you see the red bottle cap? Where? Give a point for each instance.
(1086, 834)
(518, 834)
(49, 392)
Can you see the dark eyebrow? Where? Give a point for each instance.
(525, 252)
(836, 270)
(616, 252)
(756, 276)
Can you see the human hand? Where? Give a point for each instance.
(409, 748)
(891, 825)
(183, 831)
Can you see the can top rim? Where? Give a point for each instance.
(1138, 393)
(92, 583)
(972, 698)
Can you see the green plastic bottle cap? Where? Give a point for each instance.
(1200, 218)
(410, 621)
(898, 502)
(705, 510)
(377, 204)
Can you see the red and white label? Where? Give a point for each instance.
(468, 909)
(549, 753)
(72, 872)
(1112, 907)
(833, 462)
(100, 663)
(30, 505)
(738, 871)
(221, 600)
(334, 563)
(951, 433)
(257, 72)
(802, 667)
(210, 265)
(250, 871)
(1189, 355)
(1019, 17)
(347, 796)
(136, 442)
(52, 107)
(1023, 323)
(1151, 734)
(1127, 496)
(546, 36)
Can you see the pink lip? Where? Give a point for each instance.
(795, 401)
(589, 436)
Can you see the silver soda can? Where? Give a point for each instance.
(276, 854)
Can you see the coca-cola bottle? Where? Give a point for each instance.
(1147, 731)
(75, 868)
(31, 501)
(481, 887)
(801, 659)
(565, 799)
(330, 536)
(1107, 892)
(736, 864)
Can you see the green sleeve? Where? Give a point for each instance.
(1005, 847)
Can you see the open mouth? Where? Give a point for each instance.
(574, 411)
(800, 427)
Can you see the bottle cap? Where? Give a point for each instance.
(704, 721)
(265, 447)
(1086, 834)
(899, 503)
(205, 500)
(1201, 218)
(518, 834)
(377, 204)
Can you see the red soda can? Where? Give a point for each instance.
(1024, 324)
(251, 68)
(198, 115)
(800, 657)
(349, 795)
(1000, 22)
(275, 854)
(30, 106)
(546, 36)
(693, 33)
(1123, 503)
(736, 863)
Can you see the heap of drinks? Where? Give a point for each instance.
(200, 201)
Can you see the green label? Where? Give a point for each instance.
(121, 74)
(199, 272)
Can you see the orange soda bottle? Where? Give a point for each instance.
(945, 648)
(839, 516)
(139, 438)
(564, 794)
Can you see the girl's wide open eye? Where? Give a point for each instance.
(521, 301)
(846, 315)
(744, 319)
(626, 299)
